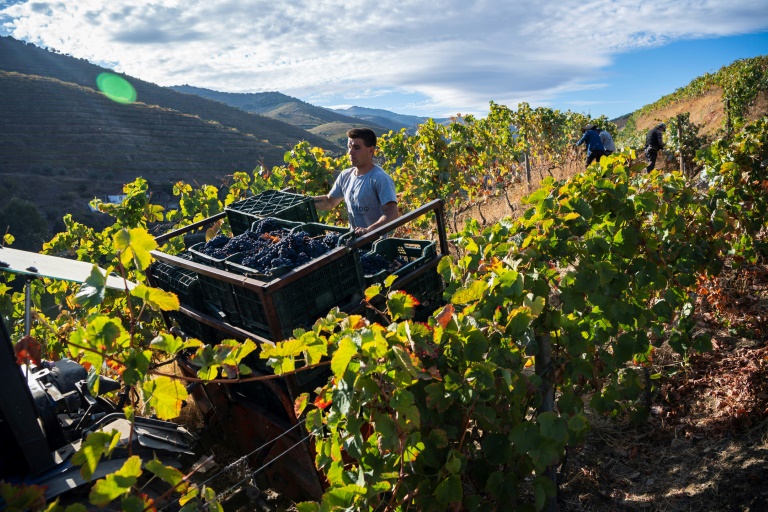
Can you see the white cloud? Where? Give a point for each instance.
(458, 54)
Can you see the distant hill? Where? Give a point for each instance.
(63, 142)
(320, 121)
(390, 120)
(20, 57)
(325, 122)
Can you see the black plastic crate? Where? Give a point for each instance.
(270, 203)
(217, 294)
(427, 288)
(415, 253)
(194, 328)
(181, 281)
(305, 299)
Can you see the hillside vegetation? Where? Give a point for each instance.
(28, 59)
(735, 93)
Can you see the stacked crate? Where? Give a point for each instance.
(305, 296)
(270, 203)
(272, 305)
(427, 287)
(186, 285)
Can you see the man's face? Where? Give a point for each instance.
(360, 154)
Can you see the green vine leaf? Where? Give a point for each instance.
(343, 355)
(116, 484)
(165, 395)
(134, 246)
(168, 474)
(96, 445)
(91, 292)
(156, 298)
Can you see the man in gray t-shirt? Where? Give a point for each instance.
(368, 191)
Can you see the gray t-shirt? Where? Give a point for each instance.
(364, 195)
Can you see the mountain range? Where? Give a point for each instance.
(331, 124)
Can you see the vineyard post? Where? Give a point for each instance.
(545, 372)
(728, 117)
(527, 167)
(681, 158)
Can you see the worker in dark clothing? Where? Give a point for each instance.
(595, 149)
(654, 142)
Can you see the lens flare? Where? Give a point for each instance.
(116, 88)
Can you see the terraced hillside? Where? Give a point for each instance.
(16, 56)
(64, 143)
(69, 129)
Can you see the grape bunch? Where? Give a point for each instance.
(282, 250)
(269, 247)
(373, 263)
(221, 246)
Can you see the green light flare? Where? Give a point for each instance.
(116, 88)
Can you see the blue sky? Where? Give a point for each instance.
(420, 57)
(642, 76)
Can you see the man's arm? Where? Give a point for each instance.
(326, 202)
(389, 213)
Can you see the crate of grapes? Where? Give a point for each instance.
(270, 203)
(396, 256)
(218, 294)
(304, 275)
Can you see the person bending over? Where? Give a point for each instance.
(654, 142)
(595, 149)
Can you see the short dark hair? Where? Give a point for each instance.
(366, 134)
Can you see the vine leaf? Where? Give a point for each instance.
(91, 292)
(22, 497)
(168, 474)
(95, 446)
(445, 315)
(156, 298)
(115, 484)
(449, 491)
(401, 305)
(343, 355)
(134, 245)
(165, 395)
(170, 344)
(472, 293)
(300, 404)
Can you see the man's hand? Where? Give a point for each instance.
(325, 202)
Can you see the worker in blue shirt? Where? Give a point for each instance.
(595, 148)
